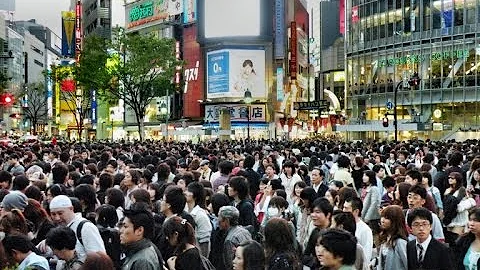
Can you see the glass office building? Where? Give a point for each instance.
(388, 41)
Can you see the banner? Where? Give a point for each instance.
(189, 11)
(68, 33)
(175, 7)
(355, 16)
(238, 112)
(279, 48)
(280, 92)
(231, 72)
(447, 16)
(293, 51)
(342, 16)
(78, 30)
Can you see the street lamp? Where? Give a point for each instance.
(164, 112)
(247, 98)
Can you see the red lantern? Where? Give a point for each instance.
(68, 85)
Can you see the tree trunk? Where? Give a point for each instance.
(141, 128)
(34, 126)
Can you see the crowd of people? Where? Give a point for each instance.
(243, 205)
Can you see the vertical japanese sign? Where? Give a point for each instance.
(94, 106)
(293, 51)
(342, 16)
(68, 33)
(78, 30)
(189, 11)
(355, 16)
(280, 92)
(279, 48)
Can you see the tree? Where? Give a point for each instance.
(35, 108)
(144, 67)
(4, 79)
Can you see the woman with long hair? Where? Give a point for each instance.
(401, 195)
(181, 236)
(457, 219)
(279, 246)
(249, 256)
(392, 251)
(467, 248)
(371, 200)
(357, 171)
(40, 220)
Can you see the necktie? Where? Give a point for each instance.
(420, 253)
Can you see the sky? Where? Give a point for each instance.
(46, 12)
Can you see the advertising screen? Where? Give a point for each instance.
(231, 72)
(226, 18)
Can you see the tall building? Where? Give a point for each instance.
(389, 42)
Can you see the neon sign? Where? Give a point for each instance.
(417, 58)
(142, 11)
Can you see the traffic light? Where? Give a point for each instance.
(385, 122)
(7, 99)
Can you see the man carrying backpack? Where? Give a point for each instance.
(88, 237)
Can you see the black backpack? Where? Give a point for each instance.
(111, 241)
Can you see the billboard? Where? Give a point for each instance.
(279, 48)
(189, 11)
(238, 112)
(78, 30)
(140, 13)
(231, 72)
(193, 73)
(235, 20)
(68, 33)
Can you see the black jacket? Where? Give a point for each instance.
(460, 250)
(253, 179)
(436, 257)
(247, 215)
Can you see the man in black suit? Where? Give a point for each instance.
(425, 252)
(316, 180)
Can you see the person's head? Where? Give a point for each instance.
(353, 205)
(238, 187)
(195, 193)
(225, 167)
(289, 167)
(60, 173)
(87, 196)
(317, 176)
(336, 248)
(140, 195)
(217, 201)
(321, 213)
(13, 200)
(97, 260)
(115, 197)
(278, 236)
(389, 183)
(173, 201)
(34, 212)
(249, 256)
(106, 216)
(420, 220)
(379, 171)
(276, 206)
(132, 178)
(401, 194)
(5, 179)
(20, 182)
(369, 178)
(17, 246)
(297, 189)
(228, 217)
(179, 233)
(14, 222)
(248, 67)
(413, 177)
(62, 241)
(417, 195)
(137, 224)
(343, 161)
(308, 195)
(105, 181)
(345, 221)
(455, 180)
(61, 210)
(392, 224)
(332, 196)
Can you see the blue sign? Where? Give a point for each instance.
(389, 105)
(280, 92)
(279, 48)
(217, 73)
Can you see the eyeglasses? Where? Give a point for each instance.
(418, 225)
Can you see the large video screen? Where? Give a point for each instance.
(228, 18)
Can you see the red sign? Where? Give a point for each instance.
(293, 51)
(342, 16)
(78, 30)
(67, 85)
(193, 74)
(355, 17)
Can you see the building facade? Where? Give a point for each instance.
(390, 41)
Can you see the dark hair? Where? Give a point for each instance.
(105, 181)
(397, 229)
(158, 192)
(59, 173)
(218, 200)
(141, 218)
(308, 194)
(341, 244)
(343, 161)
(5, 177)
(372, 178)
(276, 184)
(344, 194)
(107, 216)
(388, 182)
(141, 195)
(14, 220)
(56, 189)
(324, 205)
(278, 202)
(87, 179)
(18, 242)
(115, 197)
(225, 167)
(356, 204)
(279, 239)
(136, 176)
(421, 213)
(97, 260)
(419, 190)
(34, 192)
(86, 193)
(346, 221)
(253, 255)
(428, 176)
(415, 174)
(249, 162)
(34, 212)
(20, 182)
(174, 196)
(163, 171)
(185, 231)
(240, 185)
(377, 168)
(198, 192)
(61, 238)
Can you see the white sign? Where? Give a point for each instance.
(238, 112)
(230, 73)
